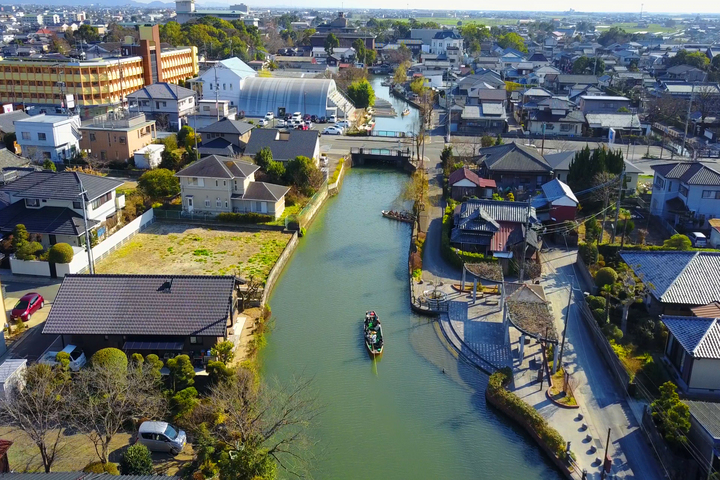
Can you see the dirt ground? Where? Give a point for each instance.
(77, 451)
(166, 248)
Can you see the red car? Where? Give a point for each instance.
(28, 304)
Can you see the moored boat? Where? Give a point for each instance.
(399, 216)
(372, 332)
(406, 112)
(386, 82)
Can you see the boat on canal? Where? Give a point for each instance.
(405, 112)
(372, 331)
(386, 82)
(399, 216)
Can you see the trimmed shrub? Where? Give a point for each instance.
(596, 302)
(599, 315)
(245, 218)
(110, 358)
(137, 461)
(605, 276)
(29, 251)
(548, 435)
(612, 332)
(60, 253)
(588, 252)
(99, 467)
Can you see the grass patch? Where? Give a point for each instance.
(202, 252)
(631, 27)
(564, 397)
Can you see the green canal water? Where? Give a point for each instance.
(418, 413)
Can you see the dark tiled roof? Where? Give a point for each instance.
(560, 160)
(227, 126)
(513, 157)
(7, 120)
(489, 94)
(219, 146)
(150, 305)
(216, 166)
(9, 160)
(60, 185)
(707, 415)
(691, 173)
(265, 191)
(160, 91)
(446, 34)
(699, 336)
(578, 79)
(301, 143)
(48, 220)
(687, 278)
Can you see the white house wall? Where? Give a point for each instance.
(705, 374)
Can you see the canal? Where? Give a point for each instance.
(400, 123)
(416, 413)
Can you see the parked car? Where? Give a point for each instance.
(313, 118)
(262, 122)
(269, 116)
(332, 131)
(307, 117)
(280, 123)
(26, 306)
(698, 239)
(161, 437)
(343, 123)
(332, 118)
(288, 117)
(302, 126)
(297, 116)
(308, 124)
(322, 120)
(77, 358)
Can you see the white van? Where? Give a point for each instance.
(297, 117)
(698, 239)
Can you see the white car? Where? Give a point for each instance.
(343, 123)
(332, 131)
(309, 123)
(269, 116)
(297, 116)
(77, 358)
(323, 160)
(262, 122)
(280, 123)
(332, 118)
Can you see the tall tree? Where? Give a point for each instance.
(39, 409)
(360, 50)
(512, 40)
(331, 43)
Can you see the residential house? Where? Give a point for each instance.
(149, 156)
(714, 233)
(165, 315)
(226, 137)
(514, 166)
(425, 35)
(463, 182)
(54, 137)
(209, 112)
(564, 82)
(686, 193)
(600, 124)
(485, 112)
(685, 73)
(693, 353)
(50, 205)
(116, 136)
(557, 203)
(677, 281)
(543, 71)
(218, 184)
(166, 103)
(493, 227)
(704, 433)
(686, 89)
(487, 79)
(555, 117)
(560, 163)
(285, 145)
(445, 39)
(7, 121)
(603, 104)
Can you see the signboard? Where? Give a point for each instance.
(611, 136)
(7, 108)
(70, 100)
(281, 112)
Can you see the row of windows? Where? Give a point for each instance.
(40, 136)
(218, 202)
(93, 138)
(101, 200)
(217, 86)
(714, 194)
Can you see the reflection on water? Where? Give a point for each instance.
(418, 412)
(399, 123)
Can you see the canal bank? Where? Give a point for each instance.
(419, 412)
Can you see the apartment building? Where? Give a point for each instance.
(117, 136)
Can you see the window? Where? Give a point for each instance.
(224, 87)
(207, 202)
(103, 155)
(122, 140)
(101, 200)
(92, 137)
(211, 86)
(216, 183)
(660, 182)
(712, 194)
(226, 204)
(206, 108)
(196, 182)
(194, 340)
(683, 190)
(218, 202)
(77, 205)
(669, 186)
(231, 86)
(26, 135)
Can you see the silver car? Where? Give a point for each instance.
(161, 437)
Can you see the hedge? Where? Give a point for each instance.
(98, 467)
(454, 256)
(245, 217)
(550, 436)
(110, 358)
(60, 253)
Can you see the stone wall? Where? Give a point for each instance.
(277, 269)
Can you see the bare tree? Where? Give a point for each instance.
(274, 418)
(104, 399)
(707, 101)
(38, 409)
(605, 188)
(667, 109)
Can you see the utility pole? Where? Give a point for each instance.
(687, 118)
(524, 247)
(217, 107)
(542, 147)
(617, 205)
(567, 317)
(88, 245)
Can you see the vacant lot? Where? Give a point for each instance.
(189, 250)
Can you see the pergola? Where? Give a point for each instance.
(527, 310)
(488, 271)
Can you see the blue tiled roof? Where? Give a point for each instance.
(699, 336)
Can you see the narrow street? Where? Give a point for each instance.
(601, 402)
